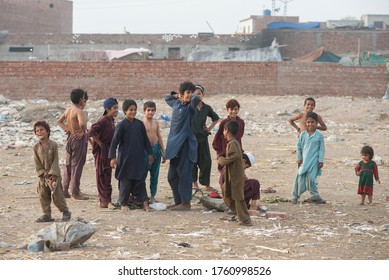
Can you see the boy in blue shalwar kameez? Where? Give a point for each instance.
(181, 146)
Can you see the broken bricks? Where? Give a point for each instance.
(276, 215)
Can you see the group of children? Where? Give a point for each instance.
(134, 148)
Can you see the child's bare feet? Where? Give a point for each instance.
(146, 206)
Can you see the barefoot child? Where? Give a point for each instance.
(154, 134)
(366, 169)
(74, 121)
(101, 133)
(202, 131)
(131, 140)
(233, 187)
(49, 173)
(309, 105)
(310, 158)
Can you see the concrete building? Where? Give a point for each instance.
(36, 16)
(376, 21)
(255, 24)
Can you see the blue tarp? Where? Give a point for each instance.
(292, 25)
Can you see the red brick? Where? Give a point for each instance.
(276, 215)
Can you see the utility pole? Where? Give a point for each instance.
(285, 6)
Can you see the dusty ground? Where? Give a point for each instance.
(341, 229)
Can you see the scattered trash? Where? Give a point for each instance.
(60, 236)
(273, 199)
(213, 203)
(25, 182)
(158, 206)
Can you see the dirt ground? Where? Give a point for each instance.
(339, 230)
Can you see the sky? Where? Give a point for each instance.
(196, 16)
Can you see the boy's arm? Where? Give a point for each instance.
(94, 133)
(113, 147)
(54, 168)
(40, 169)
(217, 140)
(160, 141)
(194, 101)
(232, 156)
(61, 122)
(171, 98)
(321, 151)
(214, 117)
(293, 119)
(322, 126)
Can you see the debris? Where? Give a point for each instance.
(213, 203)
(60, 236)
(272, 249)
(273, 199)
(276, 215)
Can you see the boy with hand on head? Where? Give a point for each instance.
(74, 121)
(309, 105)
(101, 133)
(181, 147)
(49, 173)
(219, 142)
(130, 138)
(154, 134)
(233, 187)
(202, 131)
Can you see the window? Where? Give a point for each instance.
(174, 53)
(21, 49)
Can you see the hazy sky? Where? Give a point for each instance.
(191, 16)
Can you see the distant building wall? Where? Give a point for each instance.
(255, 24)
(36, 16)
(68, 47)
(376, 21)
(154, 79)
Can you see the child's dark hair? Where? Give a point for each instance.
(187, 86)
(246, 159)
(43, 124)
(367, 150)
(232, 103)
(232, 126)
(312, 115)
(149, 104)
(309, 99)
(127, 103)
(77, 94)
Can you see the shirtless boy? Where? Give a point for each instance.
(309, 105)
(74, 122)
(154, 135)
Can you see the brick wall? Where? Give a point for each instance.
(153, 79)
